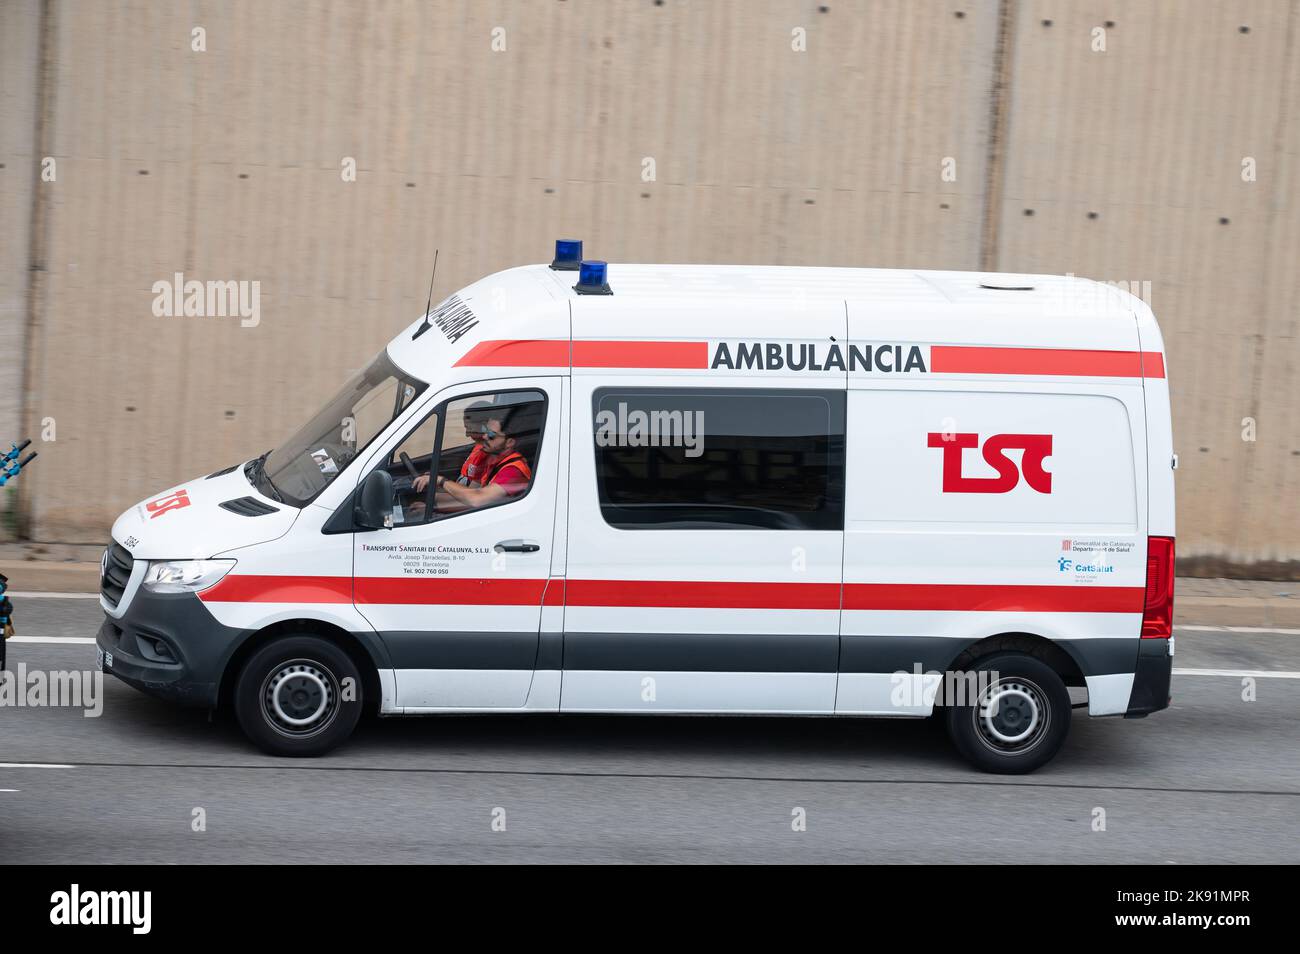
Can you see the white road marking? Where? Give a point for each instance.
(53, 596)
(8, 789)
(1241, 673)
(32, 765)
(75, 640)
(1238, 629)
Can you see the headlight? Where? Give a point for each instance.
(184, 576)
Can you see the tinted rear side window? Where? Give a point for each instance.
(709, 458)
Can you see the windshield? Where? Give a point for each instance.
(306, 463)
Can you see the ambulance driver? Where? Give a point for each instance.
(508, 476)
(479, 463)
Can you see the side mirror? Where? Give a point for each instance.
(374, 506)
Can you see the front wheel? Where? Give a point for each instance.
(298, 696)
(1019, 718)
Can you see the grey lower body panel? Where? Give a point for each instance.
(1095, 656)
(716, 652)
(700, 652)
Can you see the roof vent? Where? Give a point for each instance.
(1007, 286)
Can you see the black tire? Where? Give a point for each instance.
(1028, 725)
(294, 678)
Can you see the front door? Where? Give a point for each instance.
(455, 587)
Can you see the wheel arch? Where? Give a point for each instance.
(1060, 657)
(368, 655)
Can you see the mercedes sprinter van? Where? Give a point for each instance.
(673, 489)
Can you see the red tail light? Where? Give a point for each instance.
(1158, 610)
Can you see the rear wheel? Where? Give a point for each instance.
(298, 696)
(1019, 718)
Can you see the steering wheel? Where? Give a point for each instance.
(407, 463)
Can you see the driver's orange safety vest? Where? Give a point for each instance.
(513, 458)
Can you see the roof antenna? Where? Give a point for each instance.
(425, 327)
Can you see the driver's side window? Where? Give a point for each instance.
(482, 445)
(409, 461)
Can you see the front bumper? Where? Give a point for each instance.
(1151, 679)
(169, 646)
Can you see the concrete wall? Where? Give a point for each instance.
(19, 168)
(225, 165)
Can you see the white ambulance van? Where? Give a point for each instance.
(679, 489)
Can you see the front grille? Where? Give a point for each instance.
(117, 571)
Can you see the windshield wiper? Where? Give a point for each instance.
(256, 469)
(255, 465)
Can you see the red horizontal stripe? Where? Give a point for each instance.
(960, 359)
(703, 595)
(588, 354)
(944, 359)
(398, 590)
(249, 588)
(641, 354)
(980, 598)
(554, 595)
(517, 354)
(447, 592)
(691, 594)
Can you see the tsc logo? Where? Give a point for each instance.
(162, 505)
(1035, 446)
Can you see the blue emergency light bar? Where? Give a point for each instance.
(568, 255)
(592, 279)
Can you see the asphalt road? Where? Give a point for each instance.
(1213, 779)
